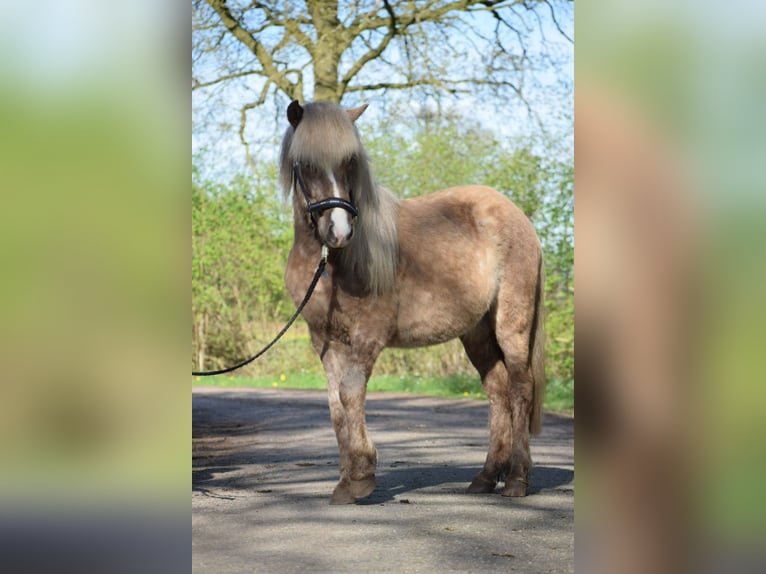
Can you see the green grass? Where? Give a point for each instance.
(559, 395)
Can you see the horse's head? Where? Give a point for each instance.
(329, 200)
(323, 157)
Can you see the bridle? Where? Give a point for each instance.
(317, 208)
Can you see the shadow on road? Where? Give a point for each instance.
(393, 483)
(263, 440)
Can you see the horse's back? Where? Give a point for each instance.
(467, 212)
(471, 222)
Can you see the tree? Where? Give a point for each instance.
(341, 47)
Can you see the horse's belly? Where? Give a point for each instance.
(452, 248)
(425, 319)
(422, 338)
(443, 305)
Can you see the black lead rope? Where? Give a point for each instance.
(314, 208)
(314, 281)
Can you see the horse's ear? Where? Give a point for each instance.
(354, 113)
(294, 113)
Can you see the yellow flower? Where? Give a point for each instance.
(465, 393)
(275, 384)
(197, 378)
(282, 378)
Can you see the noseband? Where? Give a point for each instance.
(317, 208)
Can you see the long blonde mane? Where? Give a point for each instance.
(326, 137)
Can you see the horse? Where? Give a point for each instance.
(464, 262)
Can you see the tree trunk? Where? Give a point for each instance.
(324, 14)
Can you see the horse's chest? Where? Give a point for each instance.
(335, 315)
(329, 310)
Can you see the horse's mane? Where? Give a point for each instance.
(326, 137)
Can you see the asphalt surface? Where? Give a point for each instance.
(264, 463)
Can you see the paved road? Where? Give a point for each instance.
(264, 464)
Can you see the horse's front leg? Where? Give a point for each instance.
(347, 389)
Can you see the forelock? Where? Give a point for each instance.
(325, 136)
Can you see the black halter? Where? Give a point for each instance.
(317, 208)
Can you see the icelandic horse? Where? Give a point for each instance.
(462, 262)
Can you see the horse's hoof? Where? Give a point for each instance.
(349, 491)
(342, 494)
(515, 487)
(362, 488)
(481, 485)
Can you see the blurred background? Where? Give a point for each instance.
(669, 210)
(95, 415)
(94, 127)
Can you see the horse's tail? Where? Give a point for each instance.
(537, 353)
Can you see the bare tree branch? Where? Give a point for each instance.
(243, 120)
(556, 22)
(348, 46)
(403, 86)
(196, 84)
(248, 40)
(375, 52)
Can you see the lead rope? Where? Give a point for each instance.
(314, 281)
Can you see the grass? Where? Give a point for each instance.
(559, 395)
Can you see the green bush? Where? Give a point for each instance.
(240, 240)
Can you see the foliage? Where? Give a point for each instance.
(557, 231)
(240, 241)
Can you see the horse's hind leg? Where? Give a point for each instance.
(485, 354)
(522, 385)
(346, 387)
(513, 325)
